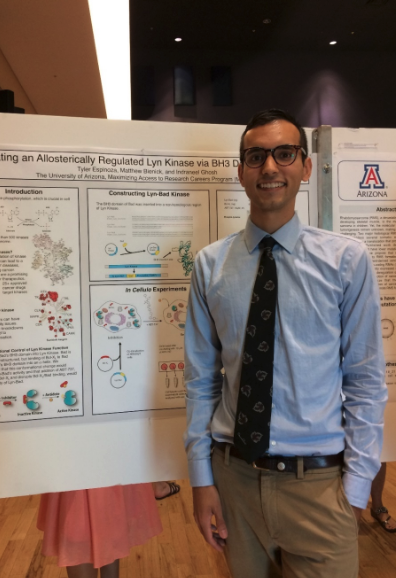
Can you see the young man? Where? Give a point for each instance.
(287, 493)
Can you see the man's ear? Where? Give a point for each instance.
(240, 174)
(307, 169)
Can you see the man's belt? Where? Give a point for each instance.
(287, 464)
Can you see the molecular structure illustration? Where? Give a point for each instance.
(57, 313)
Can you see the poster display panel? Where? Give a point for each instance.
(100, 225)
(364, 207)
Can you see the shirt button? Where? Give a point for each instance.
(273, 405)
(273, 443)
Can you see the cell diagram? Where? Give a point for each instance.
(115, 317)
(175, 314)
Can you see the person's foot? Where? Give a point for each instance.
(165, 489)
(382, 516)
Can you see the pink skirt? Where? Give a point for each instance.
(97, 526)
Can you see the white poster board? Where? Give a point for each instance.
(100, 224)
(364, 207)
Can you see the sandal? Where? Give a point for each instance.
(384, 523)
(173, 489)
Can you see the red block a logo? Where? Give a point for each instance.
(371, 178)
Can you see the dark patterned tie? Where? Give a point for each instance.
(253, 416)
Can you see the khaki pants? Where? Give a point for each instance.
(279, 525)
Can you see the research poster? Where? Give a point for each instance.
(140, 221)
(365, 208)
(100, 225)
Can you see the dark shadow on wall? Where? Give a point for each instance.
(328, 98)
(319, 88)
(188, 112)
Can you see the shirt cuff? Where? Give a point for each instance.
(357, 490)
(200, 473)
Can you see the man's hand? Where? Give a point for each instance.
(358, 513)
(207, 504)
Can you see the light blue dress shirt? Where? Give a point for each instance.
(329, 391)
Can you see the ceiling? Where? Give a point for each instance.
(235, 25)
(48, 57)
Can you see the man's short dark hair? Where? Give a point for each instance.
(266, 117)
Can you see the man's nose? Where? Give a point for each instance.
(270, 166)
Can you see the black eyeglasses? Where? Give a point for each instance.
(283, 155)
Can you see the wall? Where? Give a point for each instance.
(8, 81)
(354, 89)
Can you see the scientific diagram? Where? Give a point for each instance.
(111, 249)
(44, 217)
(388, 323)
(106, 363)
(152, 249)
(136, 270)
(69, 397)
(186, 257)
(138, 370)
(29, 402)
(388, 328)
(31, 397)
(157, 239)
(11, 215)
(115, 317)
(55, 312)
(175, 314)
(52, 258)
(48, 213)
(174, 373)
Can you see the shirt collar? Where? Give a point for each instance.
(286, 236)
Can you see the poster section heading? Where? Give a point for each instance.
(137, 336)
(139, 237)
(40, 312)
(136, 168)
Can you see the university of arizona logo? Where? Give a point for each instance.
(371, 178)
